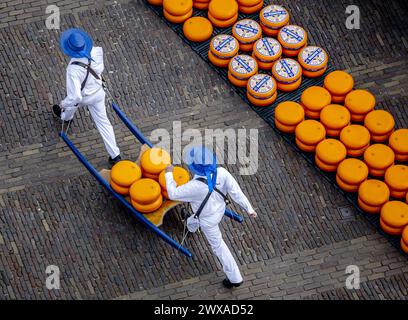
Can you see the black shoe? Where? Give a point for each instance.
(115, 160)
(56, 109)
(228, 284)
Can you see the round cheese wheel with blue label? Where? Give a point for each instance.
(261, 86)
(267, 49)
(287, 71)
(313, 58)
(247, 31)
(243, 66)
(292, 37)
(274, 16)
(224, 46)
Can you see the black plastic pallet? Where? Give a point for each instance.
(268, 113)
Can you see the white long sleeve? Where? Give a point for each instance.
(236, 193)
(74, 95)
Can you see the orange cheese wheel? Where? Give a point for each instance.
(325, 166)
(197, 29)
(237, 82)
(315, 98)
(274, 17)
(404, 246)
(292, 37)
(200, 5)
(379, 139)
(125, 172)
(261, 86)
(379, 156)
(355, 136)
(246, 47)
(156, 2)
(268, 31)
(222, 23)
(398, 194)
(224, 46)
(331, 151)
(345, 186)
(313, 58)
(251, 9)
(290, 86)
(305, 147)
(148, 208)
(178, 7)
(314, 74)
(405, 235)
(339, 83)
(401, 157)
(220, 63)
(262, 102)
(390, 230)
(267, 50)
(399, 141)
(117, 188)
(360, 102)
(396, 177)
(263, 65)
(289, 113)
(177, 19)
(395, 214)
(335, 116)
(180, 175)
(310, 132)
(352, 171)
(332, 133)
(284, 128)
(150, 176)
(357, 117)
(243, 66)
(379, 122)
(312, 114)
(376, 172)
(223, 9)
(356, 152)
(338, 99)
(247, 31)
(287, 71)
(248, 3)
(292, 53)
(367, 208)
(374, 192)
(145, 191)
(155, 160)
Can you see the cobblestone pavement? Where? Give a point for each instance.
(53, 211)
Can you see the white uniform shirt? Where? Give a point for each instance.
(75, 76)
(195, 192)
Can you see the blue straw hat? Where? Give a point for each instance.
(203, 162)
(76, 43)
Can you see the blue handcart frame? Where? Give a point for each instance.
(137, 215)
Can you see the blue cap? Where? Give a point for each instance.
(76, 43)
(203, 162)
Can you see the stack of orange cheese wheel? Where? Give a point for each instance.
(250, 6)
(273, 18)
(261, 90)
(339, 84)
(180, 175)
(399, 144)
(360, 103)
(334, 117)
(288, 74)
(350, 174)
(145, 195)
(372, 195)
(197, 29)
(404, 240)
(223, 48)
(396, 177)
(201, 4)
(266, 52)
(292, 38)
(314, 61)
(378, 158)
(123, 175)
(240, 69)
(247, 32)
(288, 115)
(329, 154)
(156, 2)
(177, 11)
(153, 161)
(309, 133)
(223, 13)
(314, 99)
(356, 138)
(381, 124)
(394, 217)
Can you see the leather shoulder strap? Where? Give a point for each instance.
(89, 70)
(216, 189)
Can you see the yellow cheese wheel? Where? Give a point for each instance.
(367, 208)
(247, 31)
(177, 19)
(355, 136)
(148, 208)
(379, 156)
(379, 122)
(178, 7)
(335, 116)
(395, 214)
(345, 186)
(289, 87)
(220, 63)
(117, 188)
(352, 171)
(252, 9)
(237, 82)
(360, 102)
(313, 58)
(396, 177)
(405, 235)
(331, 151)
(145, 191)
(262, 102)
(243, 66)
(310, 132)
(399, 141)
(292, 37)
(155, 160)
(284, 128)
(305, 147)
(261, 86)
(267, 50)
(180, 175)
(287, 71)
(315, 98)
(150, 176)
(224, 46)
(274, 17)
(325, 166)
(222, 23)
(374, 192)
(289, 113)
(404, 246)
(390, 230)
(197, 29)
(125, 172)
(223, 9)
(339, 83)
